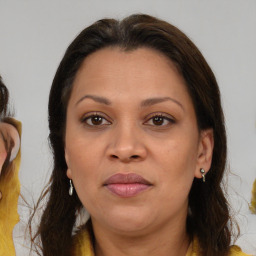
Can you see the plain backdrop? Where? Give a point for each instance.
(35, 34)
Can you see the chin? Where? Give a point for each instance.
(129, 222)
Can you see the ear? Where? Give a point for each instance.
(205, 151)
(69, 173)
(16, 138)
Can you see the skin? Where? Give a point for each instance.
(128, 139)
(8, 132)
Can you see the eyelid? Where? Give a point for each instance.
(166, 116)
(92, 114)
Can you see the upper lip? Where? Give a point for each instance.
(122, 178)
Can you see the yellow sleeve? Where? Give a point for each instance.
(236, 251)
(10, 189)
(195, 248)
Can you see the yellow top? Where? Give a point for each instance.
(83, 246)
(10, 188)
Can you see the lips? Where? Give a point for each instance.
(127, 185)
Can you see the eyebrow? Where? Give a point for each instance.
(153, 101)
(98, 99)
(144, 103)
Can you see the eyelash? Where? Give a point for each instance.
(163, 117)
(89, 116)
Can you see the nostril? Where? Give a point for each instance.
(134, 157)
(131, 157)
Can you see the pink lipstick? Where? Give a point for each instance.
(127, 185)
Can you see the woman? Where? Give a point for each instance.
(9, 180)
(138, 138)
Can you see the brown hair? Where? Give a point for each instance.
(4, 98)
(208, 219)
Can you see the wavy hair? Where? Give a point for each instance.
(4, 98)
(209, 218)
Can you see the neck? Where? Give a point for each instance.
(163, 241)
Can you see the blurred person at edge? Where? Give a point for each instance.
(10, 130)
(138, 140)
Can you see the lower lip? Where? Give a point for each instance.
(127, 190)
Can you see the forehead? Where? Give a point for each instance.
(115, 68)
(138, 62)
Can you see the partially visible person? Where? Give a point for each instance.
(10, 131)
(253, 200)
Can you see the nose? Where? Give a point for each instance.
(126, 145)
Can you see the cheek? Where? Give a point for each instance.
(83, 162)
(81, 151)
(3, 154)
(177, 161)
(177, 154)
(82, 166)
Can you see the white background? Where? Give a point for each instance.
(35, 34)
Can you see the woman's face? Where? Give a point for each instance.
(8, 133)
(132, 143)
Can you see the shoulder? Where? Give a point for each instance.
(236, 251)
(82, 244)
(194, 250)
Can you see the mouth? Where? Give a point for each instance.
(126, 185)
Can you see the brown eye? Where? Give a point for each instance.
(95, 120)
(158, 120)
